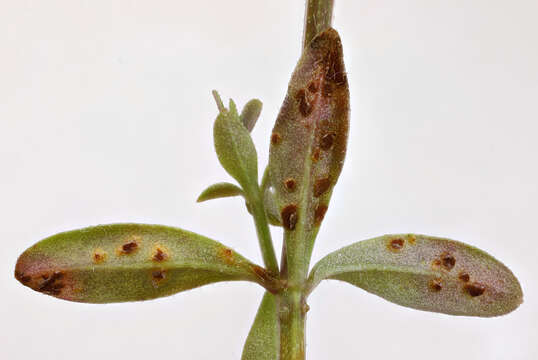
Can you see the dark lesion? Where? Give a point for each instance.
(51, 284)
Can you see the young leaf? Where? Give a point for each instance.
(263, 341)
(128, 262)
(234, 147)
(250, 113)
(219, 190)
(308, 143)
(425, 273)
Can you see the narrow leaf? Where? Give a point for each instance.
(250, 113)
(263, 340)
(219, 190)
(308, 143)
(425, 273)
(234, 147)
(128, 262)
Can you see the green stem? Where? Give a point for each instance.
(292, 325)
(264, 235)
(318, 17)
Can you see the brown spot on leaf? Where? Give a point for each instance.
(464, 277)
(319, 214)
(157, 277)
(313, 86)
(315, 155)
(275, 138)
(160, 253)
(52, 286)
(321, 186)
(474, 289)
(396, 244)
(436, 285)
(226, 255)
(448, 261)
(289, 216)
(290, 184)
(98, 256)
(129, 247)
(327, 141)
(305, 106)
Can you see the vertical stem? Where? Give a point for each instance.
(292, 325)
(264, 235)
(318, 17)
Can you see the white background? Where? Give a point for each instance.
(106, 116)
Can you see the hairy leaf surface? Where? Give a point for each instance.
(128, 262)
(250, 113)
(219, 190)
(263, 341)
(308, 143)
(425, 273)
(234, 147)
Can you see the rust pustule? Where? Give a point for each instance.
(313, 86)
(327, 141)
(275, 138)
(290, 184)
(474, 289)
(319, 214)
(52, 286)
(227, 255)
(160, 254)
(305, 106)
(157, 277)
(411, 239)
(396, 244)
(321, 186)
(315, 155)
(448, 261)
(98, 256)
(289, 216)
(129, 247)
(464, 277)
(436, 285)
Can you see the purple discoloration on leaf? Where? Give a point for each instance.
(312, 129)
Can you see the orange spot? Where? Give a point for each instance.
(160, 253)
(436, 285)
(290, 184)
(226, 255)
(396, 244)
(321, 186)
(275, 138)
(464, 277)
(315, 155)
(319, 214)
(99, 256)
(129, 247)
(411, 239)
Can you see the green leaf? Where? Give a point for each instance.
(250, 113)
(128, 262)
(263, 340)
(234, 147)
(425, 273)
(219, 190)
(308, 143)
